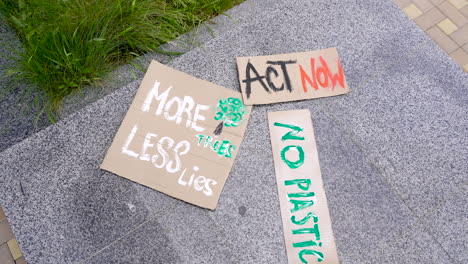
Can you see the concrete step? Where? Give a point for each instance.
(393, 156)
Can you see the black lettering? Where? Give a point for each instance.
(285, 71)
(270, 70)
(248, 80)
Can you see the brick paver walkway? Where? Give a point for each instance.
(445, 21)
(9, 249)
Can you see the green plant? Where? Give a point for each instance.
(68, 44)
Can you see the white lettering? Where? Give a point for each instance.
(127, 143)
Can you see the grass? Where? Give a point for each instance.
(67, 44)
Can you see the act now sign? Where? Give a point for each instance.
(291, 77)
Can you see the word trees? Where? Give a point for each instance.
(180, 136)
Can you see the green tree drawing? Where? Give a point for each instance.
(231, 113)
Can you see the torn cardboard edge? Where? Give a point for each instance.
(291, 77)
(167, 106)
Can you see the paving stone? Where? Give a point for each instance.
(447, 44)
(2, 214)
(453, 14)
(423, 5)
(460, 56)
(461, 35)
(402, 3)
(458, 3)
(5, 231)
(14, 248)
(464, 11)
(20, 261)
(447, 26)
(429, 19)
(5, 255)
(412, 11)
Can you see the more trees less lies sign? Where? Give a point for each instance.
(180, 136)
(291, 77)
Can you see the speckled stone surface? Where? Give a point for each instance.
(392, 154)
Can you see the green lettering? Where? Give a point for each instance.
(314, 230)
(229, 152)
(300, 183)
(207, 141)
(223, 147)
(304, 220)
(299, 205)
(309, 243)
(291, 134)
(216, 144)
(302, 194)
(303, 252)
(200, 139)
(293, 164)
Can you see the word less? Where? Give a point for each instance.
(180, 136)
(304, 210)
(291, 77)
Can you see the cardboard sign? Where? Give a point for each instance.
(306, 222)
(180, 136)
(291, 77)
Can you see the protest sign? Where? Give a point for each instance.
(303, 204)
(291, 77)
(180, 136)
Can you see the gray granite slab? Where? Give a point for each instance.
(246, 227)
(415, 129)
(448, 222)
(414, 245)
(63, 209)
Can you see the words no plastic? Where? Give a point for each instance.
(304, 210)
(180, 136)
(291, 77)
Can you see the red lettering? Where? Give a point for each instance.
(305, 77)
(324, 71)
(338, 77)
(322, 75)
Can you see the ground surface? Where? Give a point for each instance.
(445, 21)
(393, 156)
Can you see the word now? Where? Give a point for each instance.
(317, 75)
